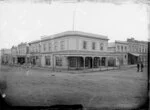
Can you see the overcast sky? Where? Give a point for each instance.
(24, 22)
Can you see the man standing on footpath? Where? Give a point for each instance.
(138, 66)
(142, 66)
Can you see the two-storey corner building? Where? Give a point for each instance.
(74, 50)
(137, 51)
(35, 52)
(23, 51)
(6, 56)
(14, 53)
(119, 48)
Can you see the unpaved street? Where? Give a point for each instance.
(116, 88)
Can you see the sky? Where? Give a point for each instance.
(25, 22)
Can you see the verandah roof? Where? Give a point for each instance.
(135, 54)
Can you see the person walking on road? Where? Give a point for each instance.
(142, 66)
(138, 66)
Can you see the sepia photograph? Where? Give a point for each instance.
(74, 54)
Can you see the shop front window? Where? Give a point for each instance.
(47, 60)
(58, 61)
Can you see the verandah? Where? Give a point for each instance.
(79, 62)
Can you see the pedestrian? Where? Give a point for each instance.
(142, 66)
(138, 66)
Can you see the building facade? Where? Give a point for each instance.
(137, 51)
(35, 52)
(14, 53)
(74, 50)
(23, 51)
(121, 48)
(5, 56)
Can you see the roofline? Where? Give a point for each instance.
(113, 44)
(136, 41)
(124, 42)
(42, 40)
(76, 33)
(71, 36)
(33, 42)
(22, 44)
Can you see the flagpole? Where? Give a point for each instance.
(74, 15)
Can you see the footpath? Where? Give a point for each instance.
(101, 69)
(124, 67)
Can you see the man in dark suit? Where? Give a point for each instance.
(142, 66)
(138, 66)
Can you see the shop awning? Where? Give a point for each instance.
(135, 54)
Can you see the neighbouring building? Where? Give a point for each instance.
(23, 53)
(137, 51)
(14, 53)
(35, 52)
(121, 48)
(6, 56)
(75, 50)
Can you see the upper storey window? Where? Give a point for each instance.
(50, 46)
(93, 45)
(101, 46)
(125, 48)
(56, 45)
(37, 50)
(62, 45)
(118, 48)
(122, 48)
(84, 45)
(44, 47)
(39, 47)
(132, 48)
